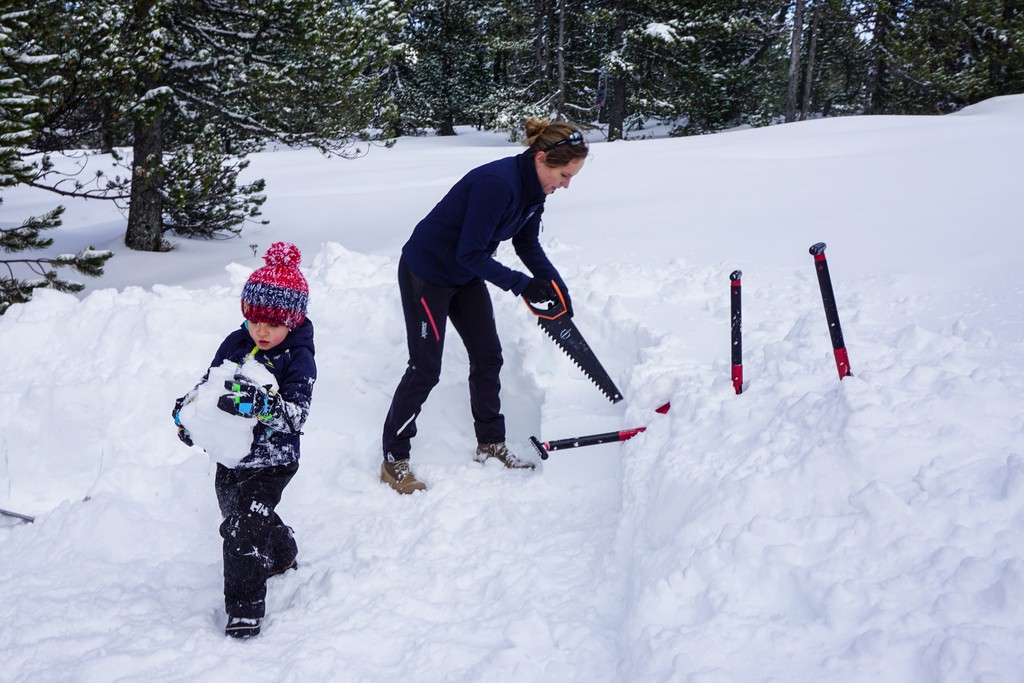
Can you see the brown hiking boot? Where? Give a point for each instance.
(398, 476)
(277, 571)
(502, 453)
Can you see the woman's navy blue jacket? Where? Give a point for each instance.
(292, 364)
(456, 241)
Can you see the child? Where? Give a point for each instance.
(277, 334)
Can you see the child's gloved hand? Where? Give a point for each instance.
(183, 434)
(248, 399)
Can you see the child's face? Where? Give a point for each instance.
(266, 336)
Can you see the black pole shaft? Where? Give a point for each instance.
(828, 298)
(16, 515)
(737, 331)
(543, 447)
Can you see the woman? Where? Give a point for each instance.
(442, 274)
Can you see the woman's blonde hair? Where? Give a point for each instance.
(561, 141)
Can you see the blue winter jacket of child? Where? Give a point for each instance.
(455, 243)
(293, 366)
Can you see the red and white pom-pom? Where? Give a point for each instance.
(283, 254)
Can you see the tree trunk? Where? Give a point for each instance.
(540, 53)
(878, 77)
(446, 114)
(805, 101)
(794, 61)
(560, 61)
(145, 214)
(617, 106)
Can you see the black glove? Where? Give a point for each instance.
(568, 301)
(183, 434)
(539, 291)
(247, 399)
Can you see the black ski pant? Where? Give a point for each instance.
(256, 542)
(427, 309)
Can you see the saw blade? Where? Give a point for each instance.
(567, 337)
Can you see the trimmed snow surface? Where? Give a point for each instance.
(808, 529)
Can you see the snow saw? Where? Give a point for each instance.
(553, 318)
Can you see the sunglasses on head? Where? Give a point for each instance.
(574, 138)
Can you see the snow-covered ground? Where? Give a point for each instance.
(806, 530)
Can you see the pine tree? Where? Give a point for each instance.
(541, 63)
(23, 73)
(841, 62)
(508, 31)
(202, 197)
(443, 75)
(300, 72)
(15, 288)
(86, 106)
(957, 53)
(169, 76)
(706, 65)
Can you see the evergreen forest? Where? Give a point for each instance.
(179, 92)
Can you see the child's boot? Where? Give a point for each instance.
(243, 627)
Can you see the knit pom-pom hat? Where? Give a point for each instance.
(277, 293)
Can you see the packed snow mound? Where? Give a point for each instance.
(226, 438)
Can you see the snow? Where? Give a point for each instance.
(809, 529)
(661, 31)
(223, 437)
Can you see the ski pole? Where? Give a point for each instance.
(542, 447)
(737, 334)
(828, 298)
(24, 518)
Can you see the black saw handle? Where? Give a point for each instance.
(556, 309)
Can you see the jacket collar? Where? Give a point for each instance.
(528, 180)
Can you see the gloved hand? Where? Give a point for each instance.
(539, 291)
(183, 434)
(248, 399)
(568, 301)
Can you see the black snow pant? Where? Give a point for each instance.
(427, 309)
(256, 542)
